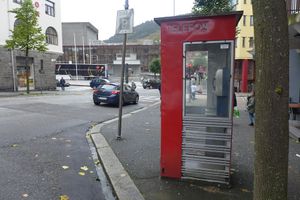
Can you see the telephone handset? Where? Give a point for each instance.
(218, 83)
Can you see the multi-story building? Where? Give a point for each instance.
(85, 56)
(138, 58)
(245, 51)
(79, 33)
(42, 65)
(293, 11)
(244, 70)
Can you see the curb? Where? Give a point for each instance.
(121, 182)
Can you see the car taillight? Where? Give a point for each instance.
(115, 92)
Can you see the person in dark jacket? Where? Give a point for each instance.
(251, 108)
(62, 83)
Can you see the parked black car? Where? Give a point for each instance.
(151, 84)
(109, 93)
(96, 82)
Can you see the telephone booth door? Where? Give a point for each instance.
(207, 105)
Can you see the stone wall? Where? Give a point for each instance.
(43, 79)
(6, 72)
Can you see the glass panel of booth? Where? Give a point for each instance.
(207, 79)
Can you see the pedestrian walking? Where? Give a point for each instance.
(251, 108)
(62, 83)
(133, 85)
(193, 90)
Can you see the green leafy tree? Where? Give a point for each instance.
(155, 66)
(27, 35)
(271, 97)
(207, 7)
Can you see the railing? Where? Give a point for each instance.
(293, 6)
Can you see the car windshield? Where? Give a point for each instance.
(109, 87)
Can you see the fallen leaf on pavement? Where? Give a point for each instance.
(123, 175)
(64, 197)
(97, 162)
(211, 189)
(53, 138)
(81, 173)
(14, 145)
(65, 167)
(245, 190)
(68, 156)
(84, 168)
(25, 195)
(298, 155)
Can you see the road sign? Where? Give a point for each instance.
(124, 21)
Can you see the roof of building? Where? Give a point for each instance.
(88, 24)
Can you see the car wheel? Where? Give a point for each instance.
(136, 100)
(96, 103)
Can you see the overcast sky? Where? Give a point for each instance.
(102, 13)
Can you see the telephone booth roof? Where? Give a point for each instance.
(161, 20)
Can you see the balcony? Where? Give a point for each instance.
(292, 6)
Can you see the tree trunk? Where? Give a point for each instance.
(27, 70)
(272, 92)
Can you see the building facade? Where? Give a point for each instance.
(85, 56)
(244, 70)
(79, 33)
(42, 65)
(138, 58)
(293, 10)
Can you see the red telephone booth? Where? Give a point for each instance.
(197, 57)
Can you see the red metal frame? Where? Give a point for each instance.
(174, 32)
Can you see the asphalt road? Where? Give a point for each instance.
(43, 144)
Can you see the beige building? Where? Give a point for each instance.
(244, 63)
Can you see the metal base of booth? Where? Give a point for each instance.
(206, 149)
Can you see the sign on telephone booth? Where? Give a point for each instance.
(197, 58)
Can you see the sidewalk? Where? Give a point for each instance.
(81, 83)
(139, 154)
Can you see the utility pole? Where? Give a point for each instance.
(122, 81)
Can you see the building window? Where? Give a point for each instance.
(236, 41)
(244, 20)
(251, 20)
(245, 1)
(251, 42)
(17, 1)
(243, 42)
(51, 36)
(50, 8)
